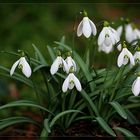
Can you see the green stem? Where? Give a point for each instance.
(38, 96)
(46, 83)
(121, 70)
(63, 105)
(100, 102)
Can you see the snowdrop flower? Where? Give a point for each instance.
(107, 38)
(131, 33)
(86, 27)
(70, 82)
(70, 63)
(58, 63)
(137, 57)
(23, 65)
(119, 30)
(124, 58)
(136, 86)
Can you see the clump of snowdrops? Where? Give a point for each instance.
(74, 89)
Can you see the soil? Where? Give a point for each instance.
(77, 131)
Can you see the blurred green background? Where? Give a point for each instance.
(42, 24)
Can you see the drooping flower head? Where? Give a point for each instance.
(70, 62)
(86, 27)
(107, 38)
(136, 86)
(125, 56)
(71, 81)
(59, 62)
(130, 31)
(23, 65)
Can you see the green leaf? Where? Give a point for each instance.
(134, 105)
(126, 132)
(16, 76)
(14, 120)
(51, 52)
(11, 53)
(44, 134)
(73, 116)
(131, 118)
(58, 116)
(24, 103)
(41, 57)
(119, 109)
(46, 125)
(105, 126)
(85, 70)
(39, 67)
(89, 102)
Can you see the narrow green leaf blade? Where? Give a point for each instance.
(126, 132)
(105, 126)
(119, 109)
(24, 103)
(41, 57)
(51, 52)
(58, 116)
(14, 120)
(46, 125)
(89, 102)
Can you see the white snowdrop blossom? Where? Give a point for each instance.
(137, 57)
(23, 65)
(136, 86)
(70, 63)
(86, 27)
(107, 38)
(70, 82)
(124, 58)
(119, 30)
(58, 63)
(131, 33)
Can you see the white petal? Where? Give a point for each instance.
(107, 41)
(74, 64)
(65, 66)
(119, 47)
(136, 86)
(107, 49)
(71, 81)
(120, 58)
(14, 67)
(101, 37)
(65, 84)
(71, 63)
(54, 66)
(137, 56)
(79, 29)
(129, 54)
(93, 27)
(77, 83)
(112, 35)
(129, 35)
(26, 69)
(119, 30)
(125, 60)
(86, 27)
(137, 32)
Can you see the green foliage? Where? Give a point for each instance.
(106, 92)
